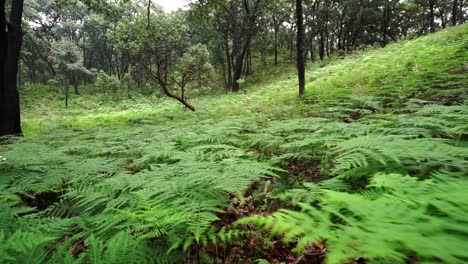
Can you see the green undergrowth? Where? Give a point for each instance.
(371, 164)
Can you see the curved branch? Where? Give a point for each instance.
(163, 84)
(178, 98)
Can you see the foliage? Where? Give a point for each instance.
(397, 216)
(377, 176)
(107, 83)
(69, 61)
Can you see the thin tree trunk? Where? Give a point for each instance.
(236, 48)
(75, 88)
(228, 61)
(454, 12)
(341, 30)
(66, 93)
(360, 23)
(461, 18)
(431, 16)
(312, 57)
(276, 44)
(322, 45)
(327, 45)
(300, 47)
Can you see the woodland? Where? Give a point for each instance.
(234, 131)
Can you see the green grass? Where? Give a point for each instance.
(376, 147)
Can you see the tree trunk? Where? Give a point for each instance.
(300, 47)
(237, 72)
(250, 63)
(431, 16)
(327, 45)
(75, 88)
(10, 120)
(312, 57)
(454, 12)
(236, 48)
(461, 18)
(66, 92)
(386, 18)
(228, 61)
(341, 30)
(276, 43)
(178, 98)
(322, 45)
(360, 26)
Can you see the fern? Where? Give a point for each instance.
(397, 153)
(408, 216)
(136, 184)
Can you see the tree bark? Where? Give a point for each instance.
(10, 120)
(276, 29)
(228, 60)
(66, 92)
(237, 72)
(300, 47)
(312, 57)
(454, 12)
(322, 45)
(327, 46)
(236, 48)
(431, 16)
(75, 88)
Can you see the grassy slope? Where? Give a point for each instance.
(431, 68)
(145, 166)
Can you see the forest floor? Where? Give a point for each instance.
(378, 146)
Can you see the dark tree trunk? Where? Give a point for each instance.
(276, 46)
(276, 28)
(75, 88)
(242, 36)
(322, 45)
(66, 92)
(239, 60)
(250, 63)
(461, 18)
(291, 49)
(10, 121)
(236, 48)
(359, 35)
(443, 17)
(327, 45)
(454, 12)
(300, 47)
(341, 30)
(4, 44)
(247, 64)
(312, 56)
(385, 22)
(431, 16)
(228, 61)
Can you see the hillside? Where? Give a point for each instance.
(371, 164)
